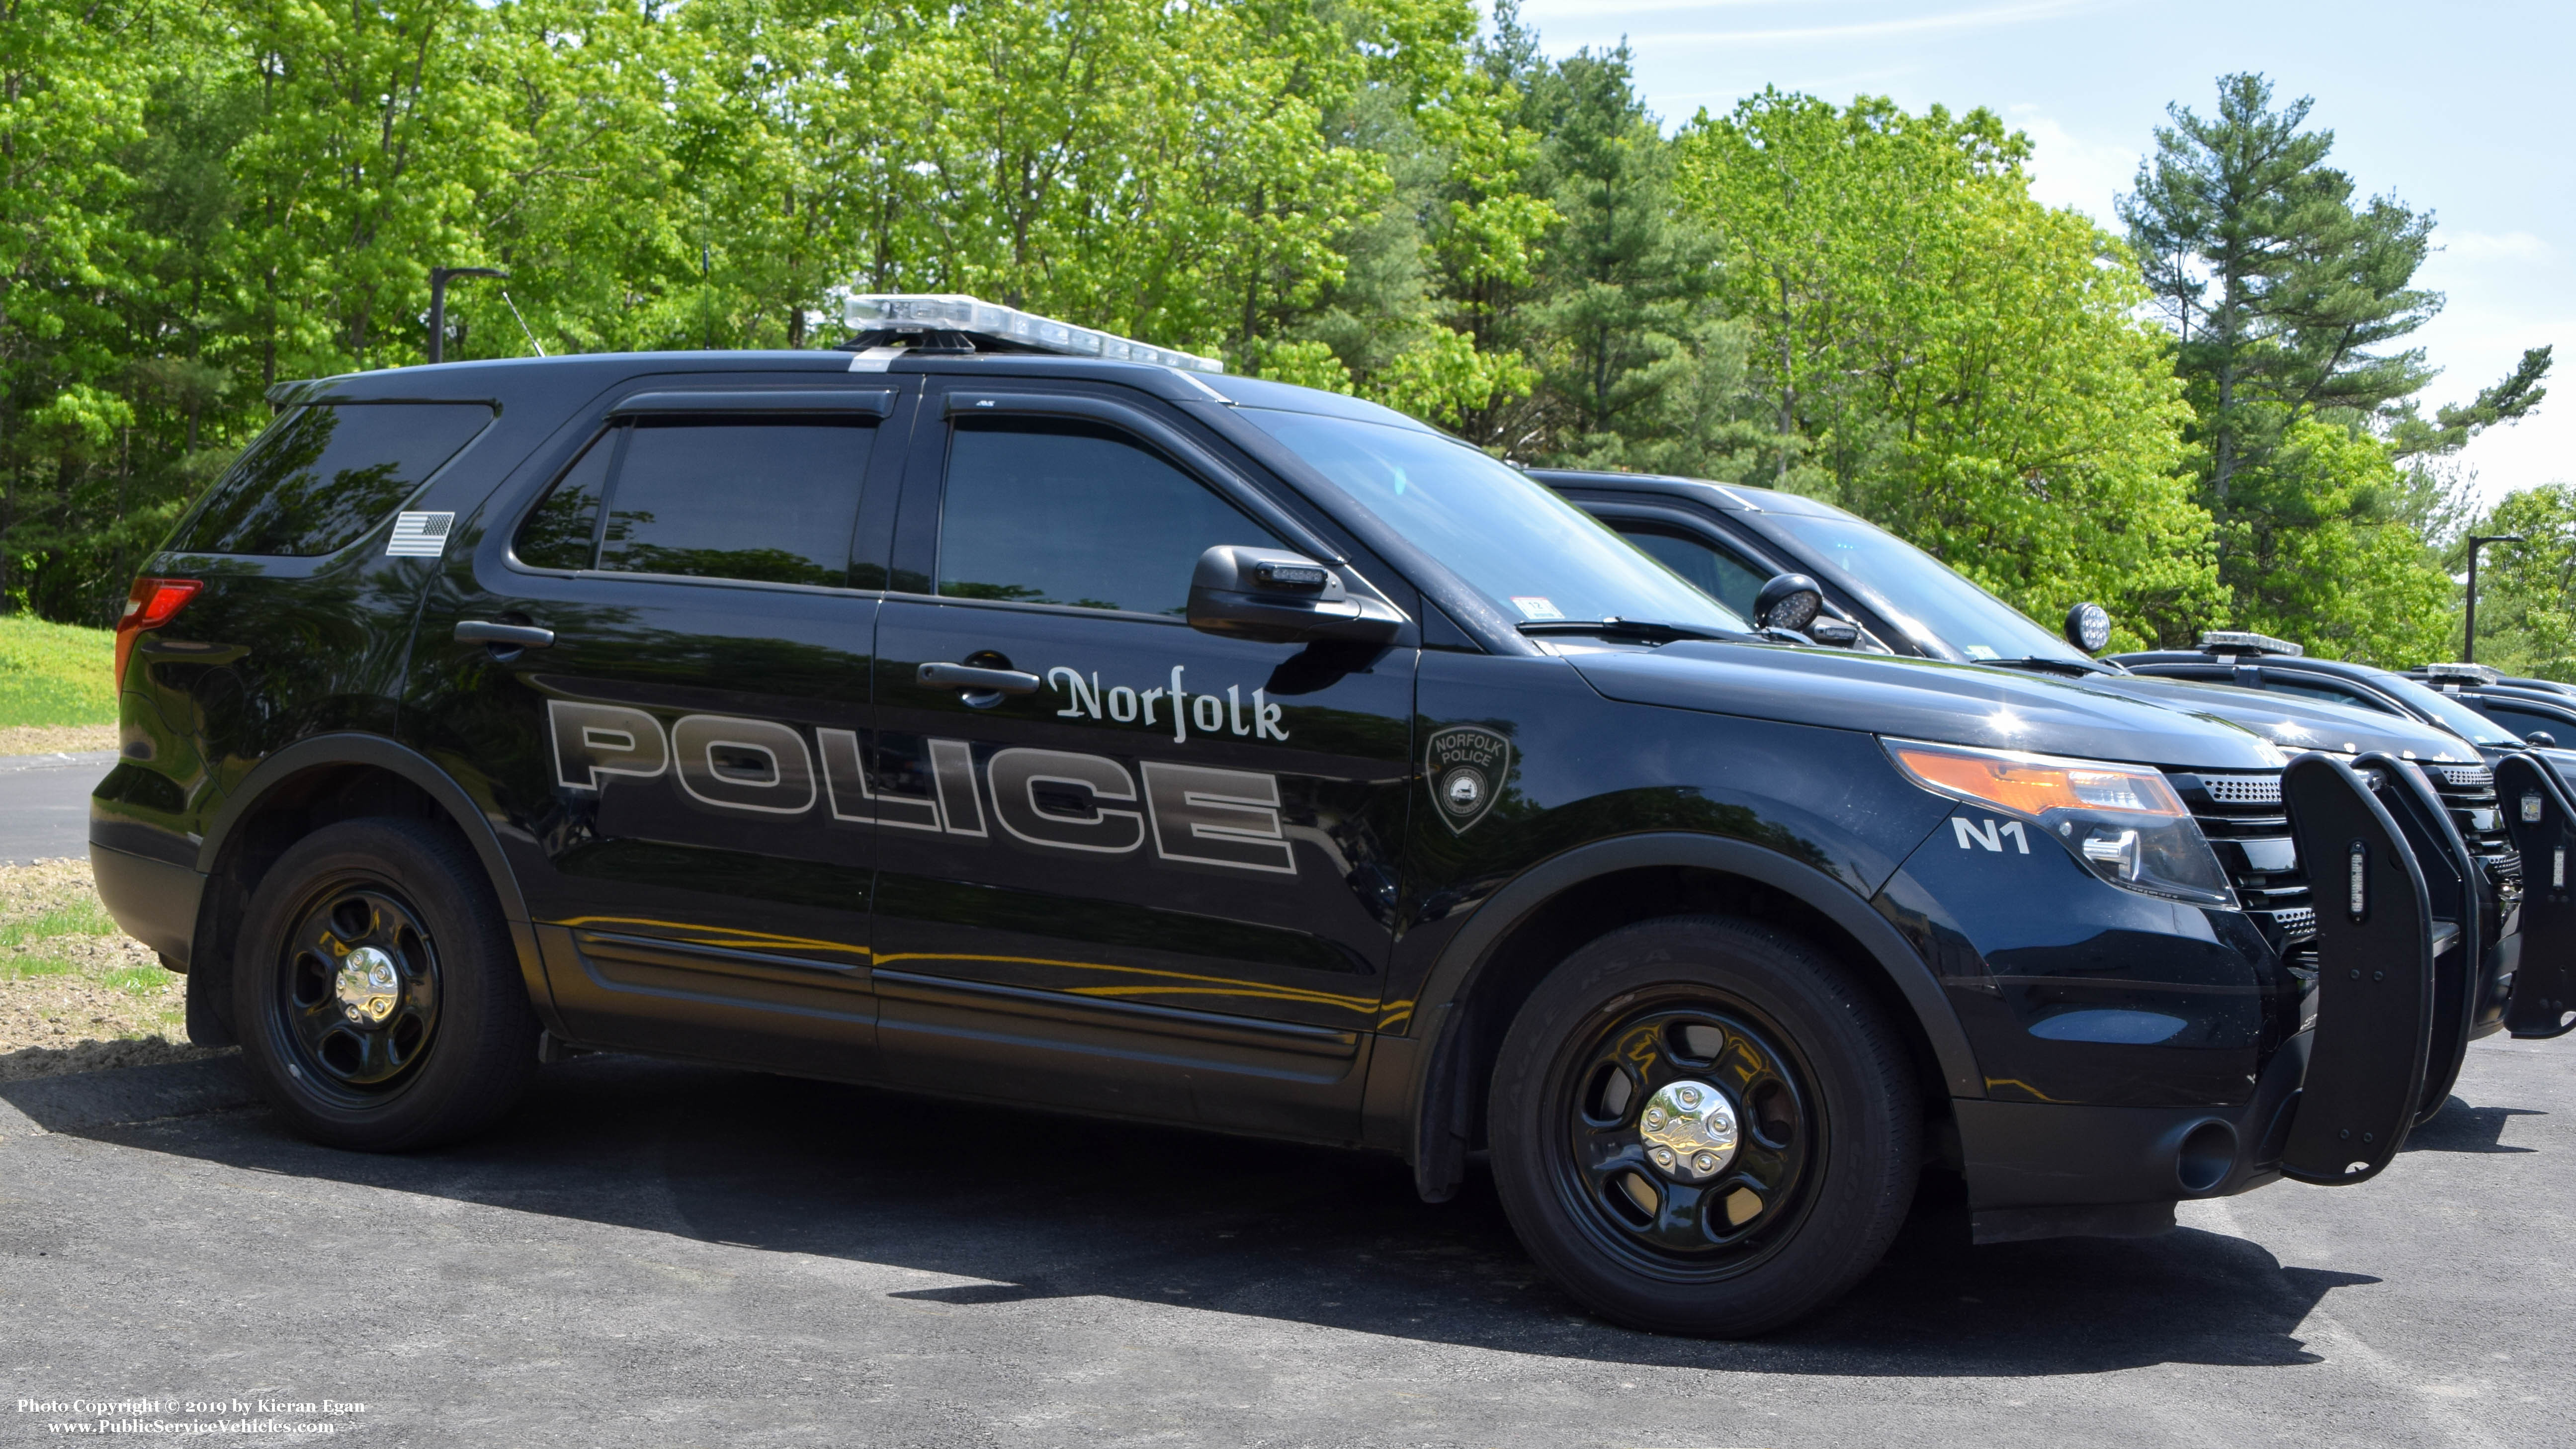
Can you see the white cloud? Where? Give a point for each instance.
(1878, 29)
(2513, 246)
(1595, 9)
(2070, 170)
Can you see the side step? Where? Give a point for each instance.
(2543, 825)
(2374, 977)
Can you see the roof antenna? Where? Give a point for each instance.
(523, 323)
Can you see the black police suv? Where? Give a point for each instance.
(2542, 711)
(1005, 710)
(1873, 590)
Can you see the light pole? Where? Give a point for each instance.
(438, 279)
(2469, 639)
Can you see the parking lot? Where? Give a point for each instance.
(654, 1253)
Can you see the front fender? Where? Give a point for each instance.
(1412, 1096)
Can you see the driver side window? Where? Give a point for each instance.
(1720, 573)
(1046, 511)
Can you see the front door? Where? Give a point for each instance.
(1154, 874)
(675, 766)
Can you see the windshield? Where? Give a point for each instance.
(1537, 556)
(2458, 718)
(1920, 594)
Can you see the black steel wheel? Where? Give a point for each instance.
(360, 986)
(377, 993)
(1686, 1211)
(1701, 1125)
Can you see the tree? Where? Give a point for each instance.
(2527, 591)
(1939, 352)
(2287, 300)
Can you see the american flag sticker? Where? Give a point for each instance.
(419, 535)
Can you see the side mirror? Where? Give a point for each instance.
(1789, 601)
(2541, 737)
(1279, 597)
(2088, 627)
(1839, 633)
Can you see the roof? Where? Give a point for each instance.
(1731, 497)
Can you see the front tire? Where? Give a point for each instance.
(377, 993)
(1702, 1125)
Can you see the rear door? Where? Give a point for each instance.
(1155, 873)
(672, 750)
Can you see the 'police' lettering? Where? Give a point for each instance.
(1056, 799)
(744, 764)
(1217, 817)
(595, 740)
(1050, 797)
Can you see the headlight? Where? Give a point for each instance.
(2123, 821)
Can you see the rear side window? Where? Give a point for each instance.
(707, 498)
(324, 474)
(1048, 512)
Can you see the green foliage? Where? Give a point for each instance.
(1939, 352)
(1372, 196)
(2527, 591)
(55, 674)
(2286, 299)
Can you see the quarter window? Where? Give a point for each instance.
(323, 475)
(1051, 512)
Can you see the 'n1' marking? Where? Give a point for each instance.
(1990, 834)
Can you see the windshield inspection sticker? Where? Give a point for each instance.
(1534, 607)
(1466, 767)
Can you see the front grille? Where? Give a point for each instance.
(2469, 793)
(2243, 789)
(2249, 829)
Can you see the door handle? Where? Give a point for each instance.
(507, 636)
(968, 676)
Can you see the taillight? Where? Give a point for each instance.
(150, 604)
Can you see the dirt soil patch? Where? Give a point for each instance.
(76, 993)
(50, 739)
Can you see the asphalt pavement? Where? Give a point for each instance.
(44, 803)
(663, 1254)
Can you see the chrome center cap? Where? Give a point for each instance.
(1689, 1131)
(368, 986)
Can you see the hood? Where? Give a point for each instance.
(1959, 704)
(2294, 723)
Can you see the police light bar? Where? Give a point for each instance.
(2236, 641)
(949, 312)
(2470, 673)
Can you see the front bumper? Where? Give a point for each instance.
(2104, 1133)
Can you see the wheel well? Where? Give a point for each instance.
(293, 808)
(1590, 909)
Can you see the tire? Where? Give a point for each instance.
(1660, 1025)
(424, 1041)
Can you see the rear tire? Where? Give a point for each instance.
(1664, 1210)
(376, 990)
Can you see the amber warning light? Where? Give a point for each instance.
(150, 604)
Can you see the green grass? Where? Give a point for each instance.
(55, 674)
(80, 918)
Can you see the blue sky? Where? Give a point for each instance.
(2460, 108)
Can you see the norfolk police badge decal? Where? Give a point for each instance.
(1466, 767)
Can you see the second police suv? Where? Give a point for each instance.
(1002, 709)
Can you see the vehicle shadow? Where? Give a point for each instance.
(1027, 1206)
(2460, 1127)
